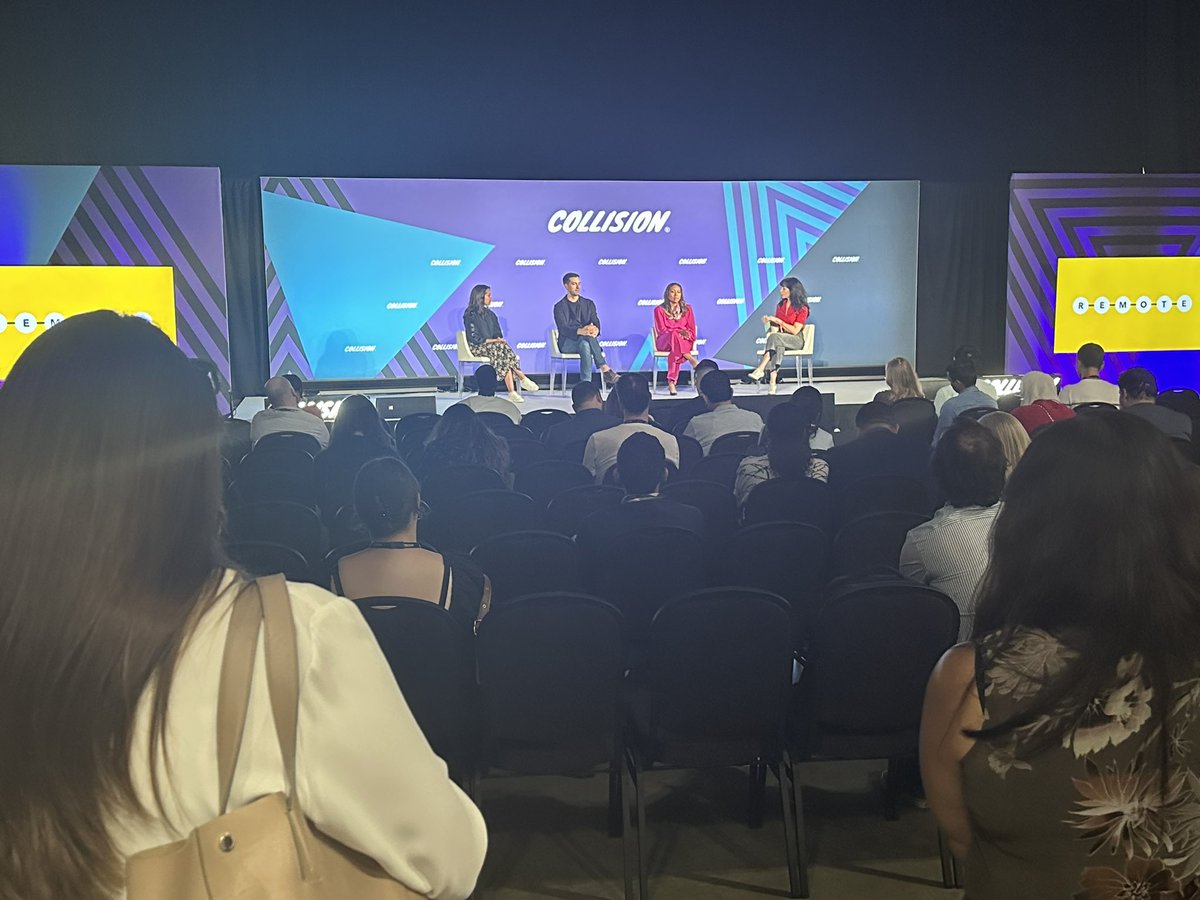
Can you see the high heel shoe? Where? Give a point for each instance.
(671, 388)
(752, 378)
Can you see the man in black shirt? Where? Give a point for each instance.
(589, 418)
(579, 330)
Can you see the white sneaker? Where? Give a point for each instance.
(528, 383)
(515, 397)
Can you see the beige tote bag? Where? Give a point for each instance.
(267, 849)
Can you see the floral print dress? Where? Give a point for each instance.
(1087, 818)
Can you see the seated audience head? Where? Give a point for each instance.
(110, 548)
(1089, 360)
(876, 416)
(586, 395)
(703, 368)
(1013, 437)
(386, 497)
(460, 427)
(633, 390)
(962, 374)
(1137, 385)
(902, 380)
(357, 416)
(808, 400)
(281, 393)
(485, 381)
(641, 464)
(966, 351)
(716, 389)
(969, 465)
(1037, 386)
(786, 436)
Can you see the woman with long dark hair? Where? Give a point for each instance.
(1060, 748)
(462, 438)
(359, 434)
(485, 338)
(788, 454)
(115, 602)
(675, 332)
(785, 330)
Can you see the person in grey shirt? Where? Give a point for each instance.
(284, 414)
(962, 377)
(951, 551)
(1139, 390)
(722, 416)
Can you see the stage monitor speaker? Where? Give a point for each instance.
(397, 407)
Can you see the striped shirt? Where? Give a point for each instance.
(950, 552)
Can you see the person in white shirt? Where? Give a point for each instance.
(600, 454)
(722, 416)
(284, 414)
(486, 400)
(113, 621)
(1090, 388)
(964, 352)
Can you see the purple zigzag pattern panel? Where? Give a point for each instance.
(423, 356)
(1066, 216)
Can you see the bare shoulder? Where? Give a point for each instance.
(955, 670)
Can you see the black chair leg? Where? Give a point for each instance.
(784, 775)
(629, 834)
(639, 802)
(951, 875)
(796, 799)
(891, 790)
(757, 789)
(616, 818)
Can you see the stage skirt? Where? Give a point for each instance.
(501, 355)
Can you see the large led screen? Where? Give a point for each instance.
(368, 278)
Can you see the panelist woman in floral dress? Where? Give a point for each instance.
(675, 332)
(485, 338)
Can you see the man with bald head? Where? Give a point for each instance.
(284, 414)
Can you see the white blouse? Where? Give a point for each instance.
(365, 774)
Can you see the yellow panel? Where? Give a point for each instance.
(1128, 303)
(34, 298)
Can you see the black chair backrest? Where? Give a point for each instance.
(882, 493)
(550, 683)
(293, 460)
(477, 516)
(422, 421)
(528, 562)
(298, 439)
(803, 500)
(718, 665)
(742, 442)
(429, 652)
(266, 558)
(411, 443)
(272, 485)
(872, 542)
(539, 420)
(525, 452)
(568, 510)
(497, 421)
(870, 654)
(691, 451)
(790, 559)
(574, 451)
(545, 480)
(715, 503)
(279, 522)
(449, 484)
(1088, 409)
(235, 440)
(916, 418)
(1184, 400)
(719, 467)
(346, 527)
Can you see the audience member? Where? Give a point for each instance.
(683, 411)
(359, 435)
(284, 414)
(462, 438)
(879, 449)
(485, 399)
(950, 551)
(1012, 436)
(967, 396)
(1090, 388)
(589, 418)
(964, 352)
(812, 405)
(112, 622)
(1060, 749)
(1138, 392)
(1039, 403)
(642, 470)
(388, 502)
(723, 417)
(902, 382)
(788, 454)
(633, 391)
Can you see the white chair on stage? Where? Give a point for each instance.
(466, 357)
(800, 355)
(663, 354)
(559, 358)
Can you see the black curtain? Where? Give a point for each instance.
(961, 273)
(246, 284)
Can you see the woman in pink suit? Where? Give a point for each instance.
(675, 331)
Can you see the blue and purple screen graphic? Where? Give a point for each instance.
(368, 278)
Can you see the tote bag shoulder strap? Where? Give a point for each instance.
(233, 697)
(283, 676)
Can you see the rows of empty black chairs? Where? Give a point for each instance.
(671, 650)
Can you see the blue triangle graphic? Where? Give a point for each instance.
(37, 204)
(340, 270)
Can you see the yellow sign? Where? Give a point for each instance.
(1127, 303)
(34, 298)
